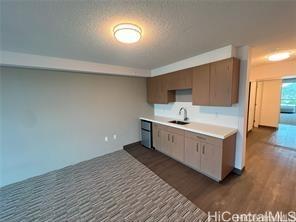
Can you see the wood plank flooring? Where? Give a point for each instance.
(267, 184)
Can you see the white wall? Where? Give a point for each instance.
(207, 57)
(235, 116)
(52, 119)
(224, 116)
(24, 60)
(275, 70)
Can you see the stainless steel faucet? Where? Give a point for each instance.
(185, 113)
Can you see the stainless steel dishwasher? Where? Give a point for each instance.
(146, 133)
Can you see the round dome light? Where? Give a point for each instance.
(279, 56)
(127, 33)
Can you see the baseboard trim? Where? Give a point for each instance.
(131, 145)
(238, 171)
(268, 127)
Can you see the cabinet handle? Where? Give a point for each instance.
(203, 149)
(172, 138)
(196, 147)
(158, 133)
(168, 137)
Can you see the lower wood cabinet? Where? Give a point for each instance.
(192, 153)
(211, 156)
(169, 141)
(165, 142)
(203, 157)
(210, 161)
(177, 147)
(156, 131)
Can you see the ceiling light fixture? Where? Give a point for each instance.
(127, 33)
(279, 56)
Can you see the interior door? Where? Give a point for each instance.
(270, 103)
(192, 153)
(258, 103)
(252, 101)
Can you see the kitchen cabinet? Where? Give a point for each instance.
(211, 156)
(201, 85)
(157, 92)
(181, 79)
(169, 141)
(165, 142)
(210, 161)
(214, 157)
(192, 153)
(156, 138)
(177, 146)
(224, 81)
(203, 157)
(213, 84)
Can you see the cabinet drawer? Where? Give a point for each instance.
(175, 130)
(204, 138)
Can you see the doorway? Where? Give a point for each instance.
(288, 102)
(272, 112)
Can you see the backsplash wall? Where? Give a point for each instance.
(224, 116)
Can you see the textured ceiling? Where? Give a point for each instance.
(173, 30)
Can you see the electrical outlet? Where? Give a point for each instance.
(114, 136)
(106, 138)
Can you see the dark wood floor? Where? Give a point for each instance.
(267, 184)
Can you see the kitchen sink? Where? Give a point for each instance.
(178, 122)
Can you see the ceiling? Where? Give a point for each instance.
(172, 29)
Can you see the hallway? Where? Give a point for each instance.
(284, 136)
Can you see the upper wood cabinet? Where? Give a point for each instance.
(214, 84)
(224, 80)
(192, 153)
(181, 79)
(201, 85)
(157, 91)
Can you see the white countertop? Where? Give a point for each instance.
(202, 128)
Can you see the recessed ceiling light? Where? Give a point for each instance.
(127, 33)
(279, 56)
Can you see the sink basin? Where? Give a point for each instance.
(178, 122)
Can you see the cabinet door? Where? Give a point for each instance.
(156, 137)
(221, 83)
(151, 90)
(177, 147)
(181, 79)
(211, 157)
(157, 92)
(224, 82)
(165, 142)
(192, 153)
(201, 85)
